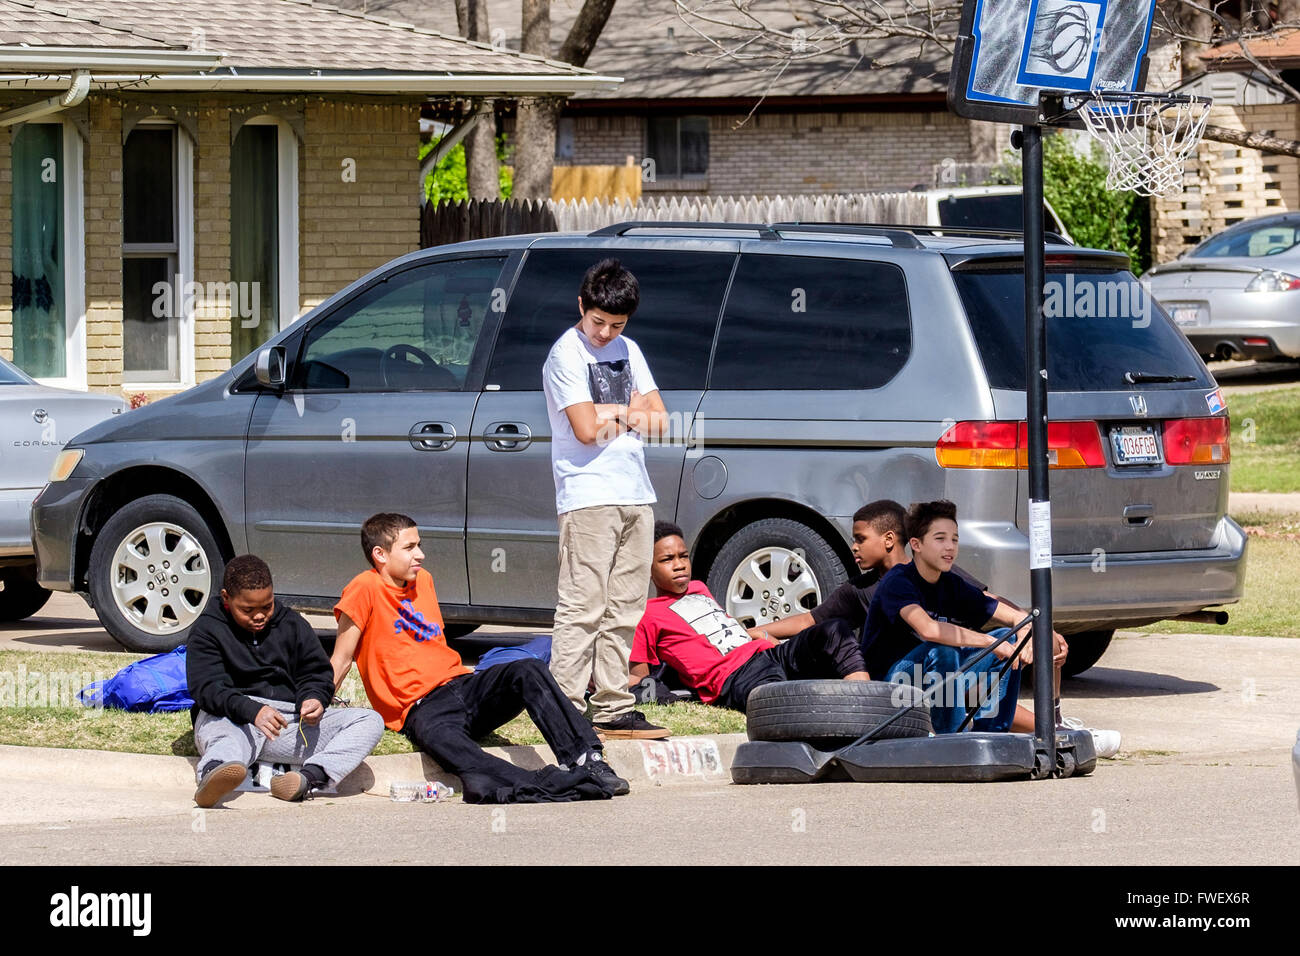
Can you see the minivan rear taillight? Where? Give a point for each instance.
(1197, 441)
(1006, 445)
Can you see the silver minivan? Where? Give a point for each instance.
(807, 369)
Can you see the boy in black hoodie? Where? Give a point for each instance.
(262, 686)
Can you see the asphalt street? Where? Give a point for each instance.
(1204, 778)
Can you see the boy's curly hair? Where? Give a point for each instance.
(247, 572)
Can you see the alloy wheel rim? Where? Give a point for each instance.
(769, 584)
(161, 578)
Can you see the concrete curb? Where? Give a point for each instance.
(674, 762)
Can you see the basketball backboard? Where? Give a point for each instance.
(1008, 52)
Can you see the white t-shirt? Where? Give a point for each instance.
(590, 475)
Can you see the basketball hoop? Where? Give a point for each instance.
(1147, 136)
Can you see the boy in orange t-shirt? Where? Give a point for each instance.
(389, 622)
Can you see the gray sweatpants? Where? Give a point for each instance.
(337, 744)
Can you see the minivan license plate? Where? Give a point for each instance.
(1135, 445)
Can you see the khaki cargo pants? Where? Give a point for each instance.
(604, 580)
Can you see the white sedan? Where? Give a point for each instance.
(38, 422)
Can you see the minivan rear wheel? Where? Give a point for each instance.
(773, 568)
(153, 569)
(1086, 649)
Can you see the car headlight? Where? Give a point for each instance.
(1272, 281)
(67, 461)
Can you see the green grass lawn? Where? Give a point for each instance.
(38, 709)
(1266, 440)
(1270, 606)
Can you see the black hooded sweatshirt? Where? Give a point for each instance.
(224, 663)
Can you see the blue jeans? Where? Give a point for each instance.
(929, 665)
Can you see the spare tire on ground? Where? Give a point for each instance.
(833, 713)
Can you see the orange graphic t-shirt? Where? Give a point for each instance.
(402, 654)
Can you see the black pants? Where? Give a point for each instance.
(826, 650)
(447, 722)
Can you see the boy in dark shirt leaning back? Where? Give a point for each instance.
(262, 687)
(924, 618)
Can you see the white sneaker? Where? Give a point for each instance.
(1105, 742)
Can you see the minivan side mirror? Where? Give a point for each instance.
(270, 367)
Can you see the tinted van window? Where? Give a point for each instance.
(989, 212)
(416, 330)
(1099, 326)
(803, 322)
(681, 294)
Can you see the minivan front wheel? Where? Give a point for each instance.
(154, 567)
(773, 568)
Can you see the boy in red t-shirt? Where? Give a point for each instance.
(390, 623)
(685, 628)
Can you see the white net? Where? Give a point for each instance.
(1147, 137)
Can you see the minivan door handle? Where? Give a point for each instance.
(1139, 516)
(432, 436)
(508, 436)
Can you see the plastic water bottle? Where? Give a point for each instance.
(435, 792)
(406, 791)
(418, 791)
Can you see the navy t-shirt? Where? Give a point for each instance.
(886, 637)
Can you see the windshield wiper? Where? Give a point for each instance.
(1136, 378)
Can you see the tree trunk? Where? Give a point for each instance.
(481, 166)
(537, 119)
(534, 156)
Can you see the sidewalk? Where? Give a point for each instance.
(1245, 502)
(63, 775)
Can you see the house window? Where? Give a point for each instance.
(565, 130)
(263, 233)
(153, 281)
(47, 254)
(679, 145)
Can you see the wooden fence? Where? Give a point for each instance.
(478, 219)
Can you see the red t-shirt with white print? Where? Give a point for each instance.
(696, 637)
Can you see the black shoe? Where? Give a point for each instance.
(597, 766)
(631, 725)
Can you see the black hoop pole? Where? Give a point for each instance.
(1040, 529)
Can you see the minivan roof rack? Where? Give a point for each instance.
(620, 228)
(879, 228)
(900, 235)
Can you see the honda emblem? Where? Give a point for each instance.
(1139, 404)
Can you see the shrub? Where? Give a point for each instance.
(1074, 183)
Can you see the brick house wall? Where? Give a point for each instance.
(358, 207)
(796, 153)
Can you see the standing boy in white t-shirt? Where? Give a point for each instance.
(602, 399)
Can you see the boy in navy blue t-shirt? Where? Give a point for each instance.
(923, 624)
